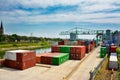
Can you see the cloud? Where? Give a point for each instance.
(36, 11)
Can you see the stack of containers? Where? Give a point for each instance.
(71, 43)
(20, 59)
(80, 42)
(103, 52)
(60, 58)
(113, 48)
(55, 48)
(92, 45)
(77, 52)
(65, 49)
(61, 43)
(113, 61)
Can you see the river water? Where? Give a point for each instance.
(40, 51)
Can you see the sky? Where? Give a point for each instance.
(47, 18)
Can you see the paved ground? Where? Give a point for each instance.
(48, 72)
(89, 63)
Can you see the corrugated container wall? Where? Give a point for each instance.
(20, 59)
(103, 52)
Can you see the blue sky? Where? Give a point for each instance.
(47, 18)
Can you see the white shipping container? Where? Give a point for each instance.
(11, 55)
(113, 62)
(113, 54)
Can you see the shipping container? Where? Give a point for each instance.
(25, 56)
(38, 57)
(80, 42)
(102, 52)
(47, 59)
(113, 62)
(113, 54)
(71, 43)
(65, 49)
(61, 43)
(77, 52)
(11, 63)
(20, 55)
(26, 64)
(113, 48)
(20, 59)
(87, 48)
(60, 58)
(55, 48)
(20, 65)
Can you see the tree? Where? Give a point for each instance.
(2, 38)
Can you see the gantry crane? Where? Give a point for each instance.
(80, 31)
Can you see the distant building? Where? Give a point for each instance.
(1, 29)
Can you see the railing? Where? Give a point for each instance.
(96, 69)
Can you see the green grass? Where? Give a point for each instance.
(28, 46)
(104, 73)
(119, 68)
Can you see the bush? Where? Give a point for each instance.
(2, 53)
(15, 45)
(118, 50)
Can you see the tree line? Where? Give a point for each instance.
(18, 38)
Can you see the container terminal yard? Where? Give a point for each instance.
(70, 59)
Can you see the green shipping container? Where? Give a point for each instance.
(59, 59)
(102, 52)
(65, 49)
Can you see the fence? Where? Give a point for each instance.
(95, 71)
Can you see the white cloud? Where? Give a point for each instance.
(84, 6)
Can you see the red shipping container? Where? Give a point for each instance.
(81, 42)
(83, 50)
(11, 63)
(25, 56)
(61, 43)
(72, 50)
(20, 65)
(77, 52)
(55, 48)
(113, 48)
(26, 64)
(87, 48)
(76, 56)
(91, 47)
(47, 59)
(38, 57)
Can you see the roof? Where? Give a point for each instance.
(113, 58)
